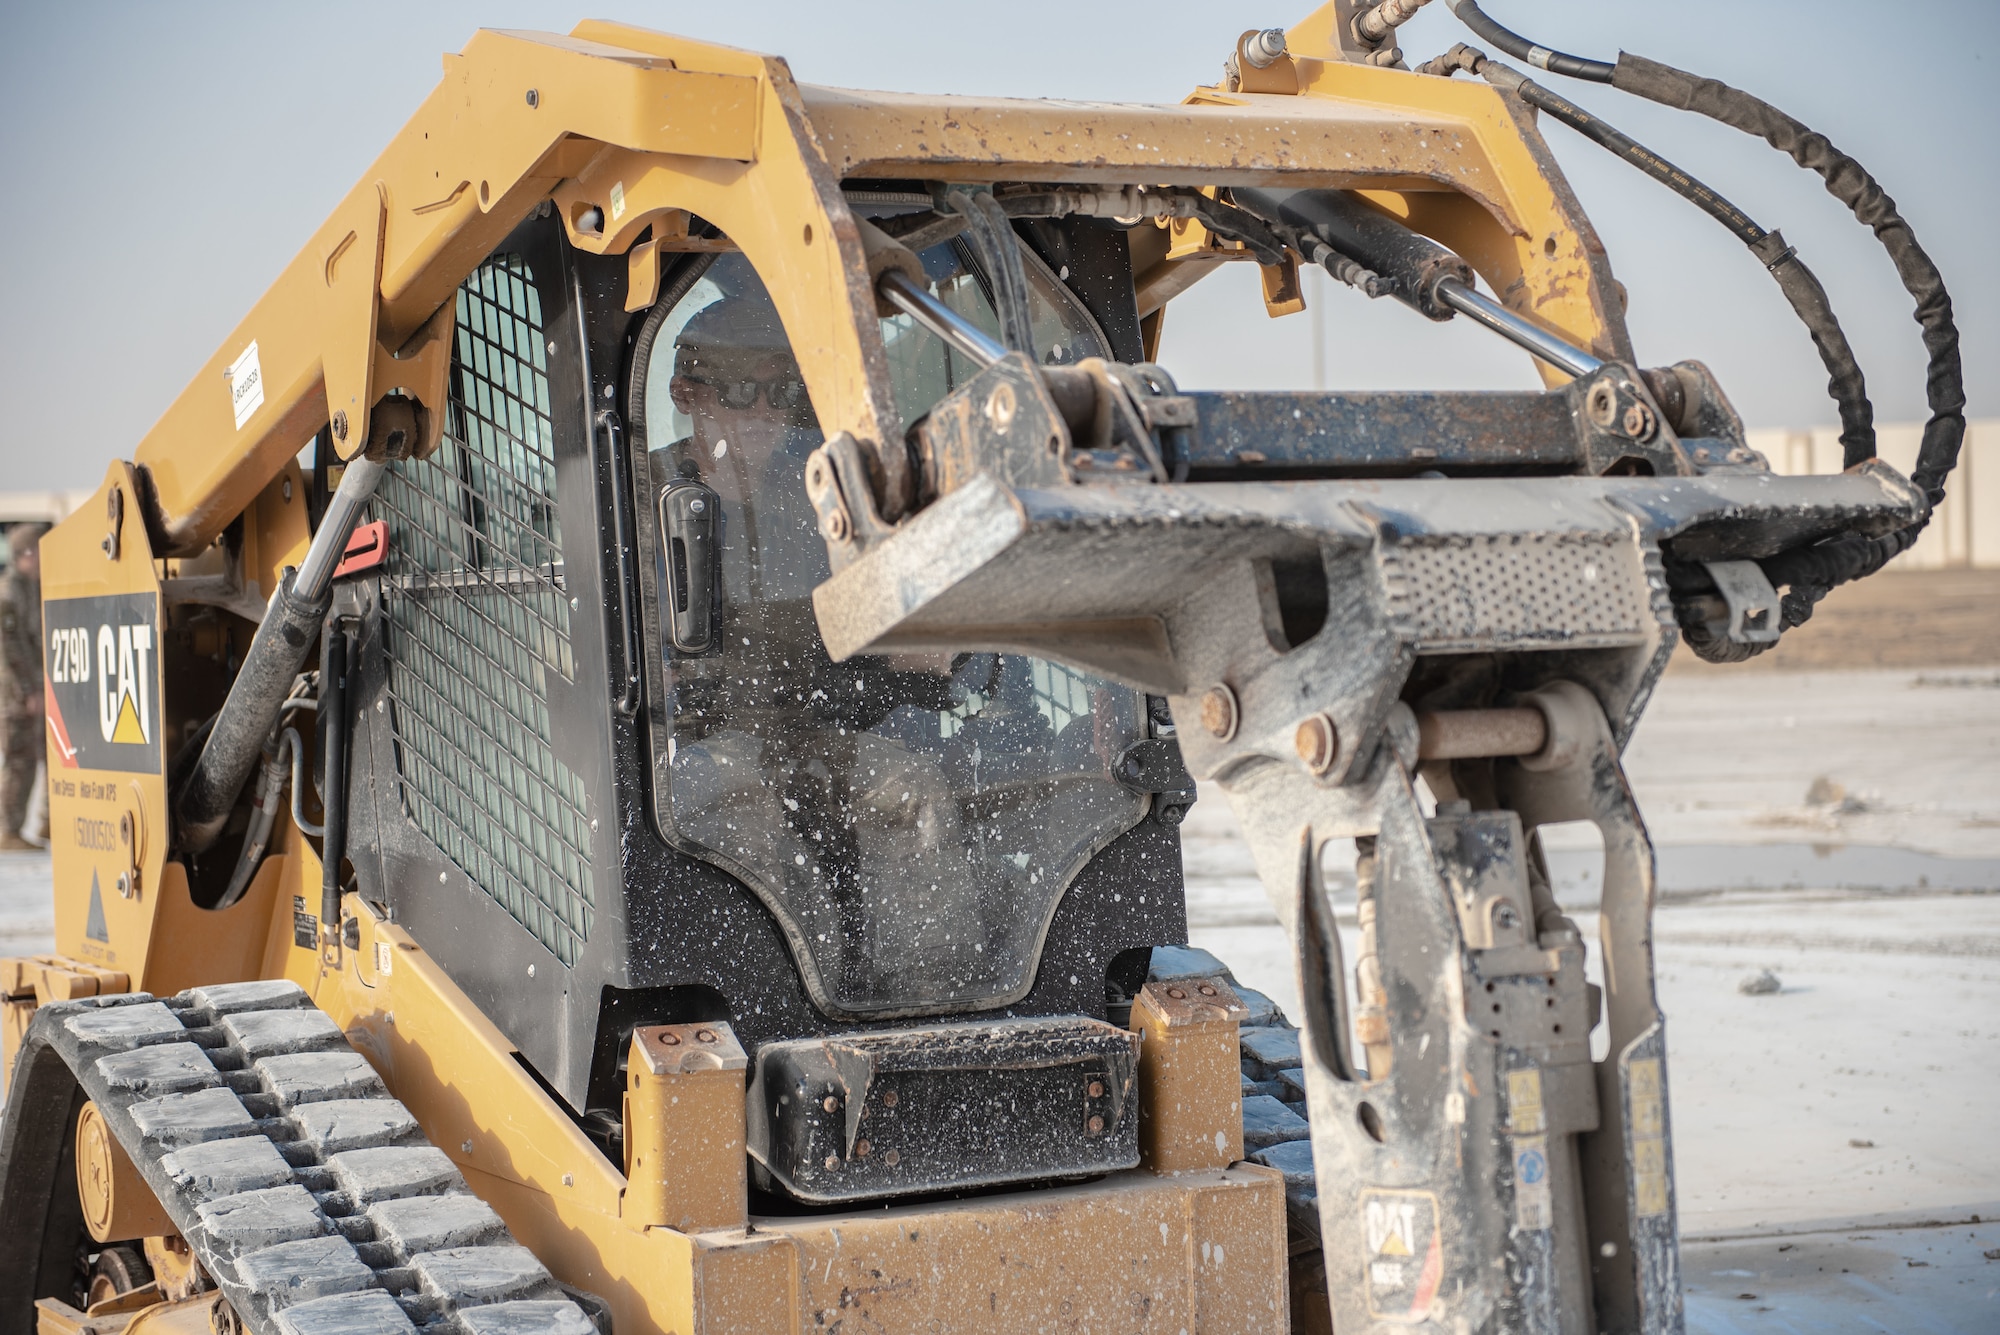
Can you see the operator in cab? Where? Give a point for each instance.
(896, 811)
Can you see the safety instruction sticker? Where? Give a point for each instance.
(1525, 1115)
(1527, 1125)
(1647, 1106)
(1405, 1254)
(246, 384)
(1532, 1204)
(101, 671)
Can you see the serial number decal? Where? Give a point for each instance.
(246, 384)
(97, 834)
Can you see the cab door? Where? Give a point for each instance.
(912, 822)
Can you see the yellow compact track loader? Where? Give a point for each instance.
(616, 756)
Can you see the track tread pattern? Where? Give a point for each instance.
(308, 1192)
(1276, 1130)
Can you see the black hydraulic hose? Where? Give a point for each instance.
(271, 664)
(1519, 47)
(333, 784)
(236, 741)
(1811, 571)
(1234, 224)
(1845, 381)
(1850, 183)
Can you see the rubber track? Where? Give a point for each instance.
(308, 1193)
(1271, 1075)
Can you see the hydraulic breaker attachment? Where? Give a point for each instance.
(1325, 645)
(1479, 1164)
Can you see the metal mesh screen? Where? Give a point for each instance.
(478, 620)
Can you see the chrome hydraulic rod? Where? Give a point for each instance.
(291, 624)
(336, 526)
(939, 318)
(1486, 311)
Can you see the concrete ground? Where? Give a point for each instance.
(1838, 1167)
(1838, 1162)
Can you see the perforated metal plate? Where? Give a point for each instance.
(1540, 590)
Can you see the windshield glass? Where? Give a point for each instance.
(911, 820)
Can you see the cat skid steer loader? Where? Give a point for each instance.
(616, 755)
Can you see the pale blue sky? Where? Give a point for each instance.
(167, 160)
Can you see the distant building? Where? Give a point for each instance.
(1964, 533)
(35, 507)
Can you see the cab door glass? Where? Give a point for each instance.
(911, 820)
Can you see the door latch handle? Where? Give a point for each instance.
(688, 511)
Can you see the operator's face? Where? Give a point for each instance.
(730, 404)
(29, 562)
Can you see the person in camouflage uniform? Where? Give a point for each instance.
(21, 727)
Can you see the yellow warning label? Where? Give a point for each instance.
(1645, 1076)
(1525, 1114)
(1649, 1177)
(1647, 1109)
(1652, 1196)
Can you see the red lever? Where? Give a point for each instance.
(367, 547)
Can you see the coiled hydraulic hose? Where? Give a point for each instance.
(1809, 572)
(1845, 382)
(1842, 559)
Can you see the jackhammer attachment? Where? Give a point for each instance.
(1471, 1159)
(1324, 644)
